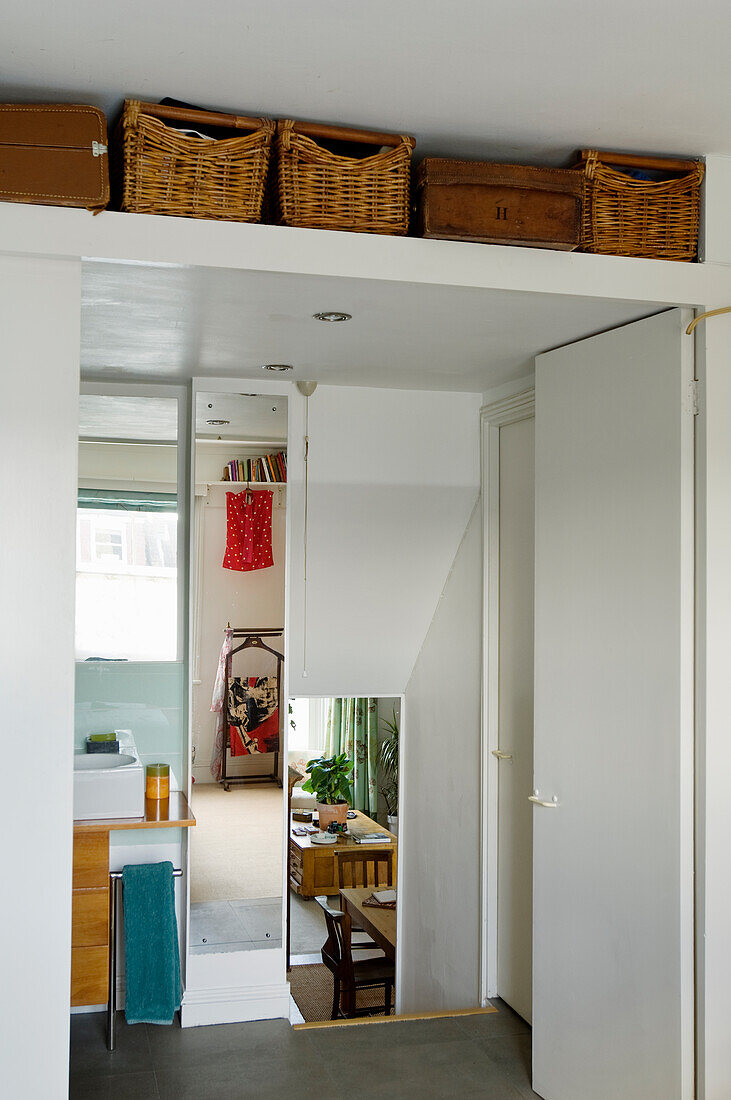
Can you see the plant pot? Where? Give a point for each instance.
(335, 811)
(392, 824)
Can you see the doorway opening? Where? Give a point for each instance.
(238, 664)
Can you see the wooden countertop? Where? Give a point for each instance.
(169, 813)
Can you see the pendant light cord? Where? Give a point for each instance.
(304, 609)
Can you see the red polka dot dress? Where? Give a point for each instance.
(249, 531)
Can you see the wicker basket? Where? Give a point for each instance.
(318, 189)
(165, 171)
(631, 217)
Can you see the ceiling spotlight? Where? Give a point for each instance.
(332, 315)
(218, 421)
(279, 368)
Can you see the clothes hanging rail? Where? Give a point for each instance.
(252, 639)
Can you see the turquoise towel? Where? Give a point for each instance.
(152, 959)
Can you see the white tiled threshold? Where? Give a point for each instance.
(217, 926)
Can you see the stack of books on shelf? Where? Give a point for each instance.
(266, 468)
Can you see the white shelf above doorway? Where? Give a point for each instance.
(174, 297)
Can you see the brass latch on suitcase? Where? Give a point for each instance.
(98, 149)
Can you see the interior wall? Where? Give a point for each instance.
(147, 697)
(439, 823)
(39, 328)
(393, 477)
(713, 642)
(128, 466)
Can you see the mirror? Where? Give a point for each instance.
(238, 566)
(351, 862)
(131, 678)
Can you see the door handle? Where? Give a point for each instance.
(502, 755)
(552, 805)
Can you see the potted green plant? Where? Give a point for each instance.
(329, 781)
(388, 755)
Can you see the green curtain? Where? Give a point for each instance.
(352, 727)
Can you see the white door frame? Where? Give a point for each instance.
(493, 416)
(240, 985)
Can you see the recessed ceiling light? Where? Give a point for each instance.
(218, 421)
(278, 367)
(332, 315)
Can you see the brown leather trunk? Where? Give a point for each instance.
(499, 203)
(54, 154)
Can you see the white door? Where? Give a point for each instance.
(612, 885)
(515, 717)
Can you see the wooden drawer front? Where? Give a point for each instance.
(91, 860)
(295, 858)
(90, 918)
(89, 976)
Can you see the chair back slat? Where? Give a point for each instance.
(336, 951)
(358, 868)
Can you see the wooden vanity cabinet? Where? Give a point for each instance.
(90, 919)
(90, 895)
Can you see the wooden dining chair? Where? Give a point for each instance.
(350, 976)
(363, 868)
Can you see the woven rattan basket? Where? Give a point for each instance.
(165, 171)
(318, 189)
(623, 216)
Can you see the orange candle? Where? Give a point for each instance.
(157, 781)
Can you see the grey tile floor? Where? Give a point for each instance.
(460, 1056)
(217, 926)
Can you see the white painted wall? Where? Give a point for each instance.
(439, 825)
(393, 477)
(39, 361)
(713, 640)
(128, 466)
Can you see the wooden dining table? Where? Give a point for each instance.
(380, 924)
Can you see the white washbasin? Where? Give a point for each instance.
(109, 785)
(101, 761)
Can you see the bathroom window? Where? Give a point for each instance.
(126, 576)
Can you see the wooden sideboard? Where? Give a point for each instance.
(313, 867)
(90, 897)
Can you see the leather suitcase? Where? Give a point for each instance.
(499, 203)
(54, 154)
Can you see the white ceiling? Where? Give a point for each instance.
(526, 80)
(171, 323)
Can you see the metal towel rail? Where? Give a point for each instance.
(115, 890)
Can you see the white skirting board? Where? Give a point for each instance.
(236, 1004)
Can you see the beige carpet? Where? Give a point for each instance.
(312, 990)
(236, 845)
